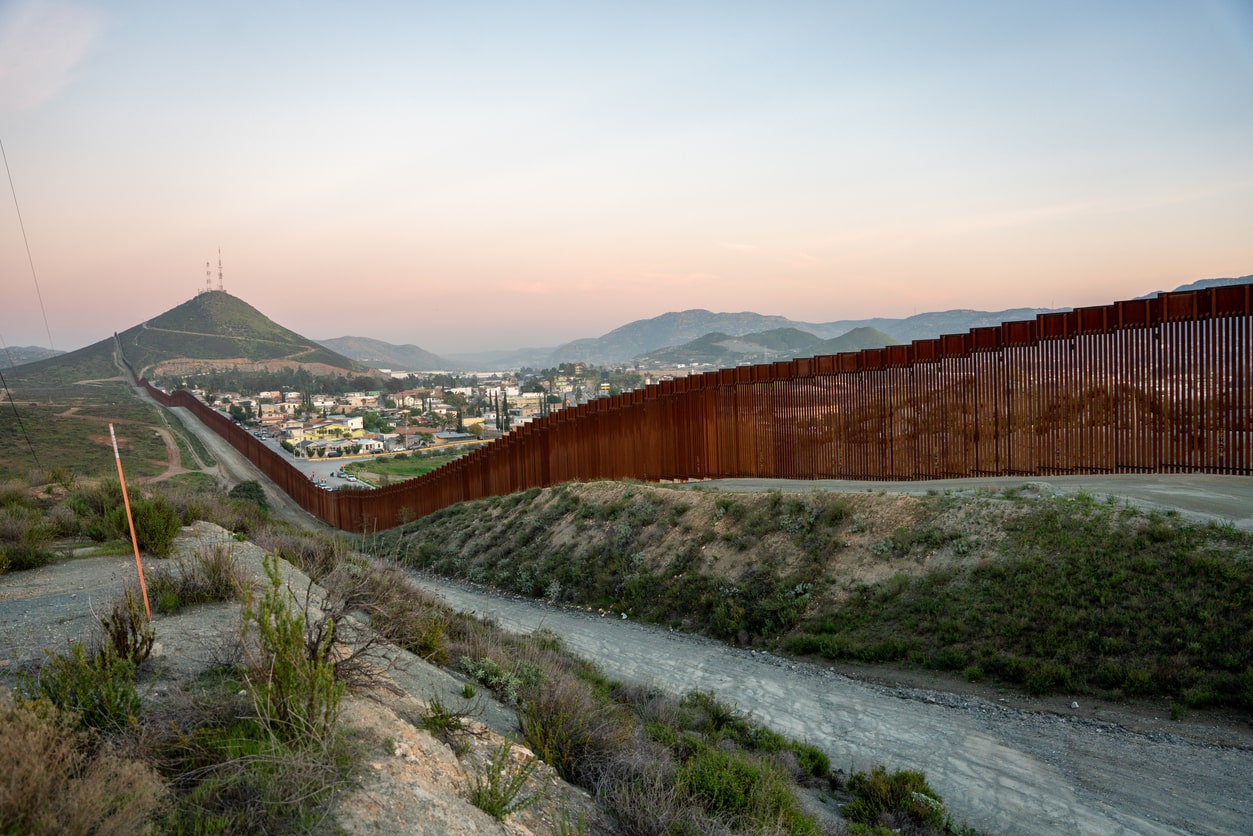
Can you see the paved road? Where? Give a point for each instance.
(999, 769)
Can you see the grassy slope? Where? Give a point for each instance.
(62, 406)
(60, 414)
(218, 326)
(1044, 593)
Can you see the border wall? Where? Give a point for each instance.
(1155, 385)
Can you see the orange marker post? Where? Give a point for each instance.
(131, 522)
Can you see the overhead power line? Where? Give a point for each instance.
(29, 259)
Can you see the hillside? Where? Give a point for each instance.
(212, 330)
(886, 578)
(722, 350)
(209, 331)
(63, 404)
(383, 355)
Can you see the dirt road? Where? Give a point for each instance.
(999, 768)
(233, 468)
(1223, 499)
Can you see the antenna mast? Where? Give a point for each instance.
(220, 268)
(208, 278)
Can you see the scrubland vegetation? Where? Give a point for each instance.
(1043, 593)
(256, 744)
(1046, 594)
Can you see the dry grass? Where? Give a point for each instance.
(212, 573)
(55, 782)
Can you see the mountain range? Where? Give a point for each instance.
(719, 350)
(216, 330)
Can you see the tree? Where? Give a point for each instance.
(250, 491)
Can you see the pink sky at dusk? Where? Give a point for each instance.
(483, 176)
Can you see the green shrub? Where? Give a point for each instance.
(569, 728)
(25, 537)
(212, 574)
(317, 555)
(812, 760)
(498, 789)
(902, 794)
(250, 491)
(445, 723)
(156, 524)
(752, 795)
(398, 610)
(506, 683)
(102, 510)
(99, 687)
(293, 686)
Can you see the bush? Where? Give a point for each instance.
(317, 555)
(156, 525)
(128, 633)
(52, 782)
(570, 728)
(398, 610)
(753, 795)
(212, 574)
(103, 512)
(250, 491)
(231, 774)
(25, 536)
(905, 794)
(498, 789)
(293, 686)
(99, 688)
(506, 683)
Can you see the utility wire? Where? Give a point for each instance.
(4, 383)
(21, 426)
(29, 258)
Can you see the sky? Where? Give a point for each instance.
(489, 175)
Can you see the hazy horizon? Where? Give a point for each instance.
(469, 178)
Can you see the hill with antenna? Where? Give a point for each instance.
(211, 331)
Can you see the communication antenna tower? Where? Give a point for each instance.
(220, 268)
(208, 278)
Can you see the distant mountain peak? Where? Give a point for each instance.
(382, 354)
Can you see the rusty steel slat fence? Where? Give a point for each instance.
(1147, 385)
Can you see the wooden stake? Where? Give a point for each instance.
(131, 522)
